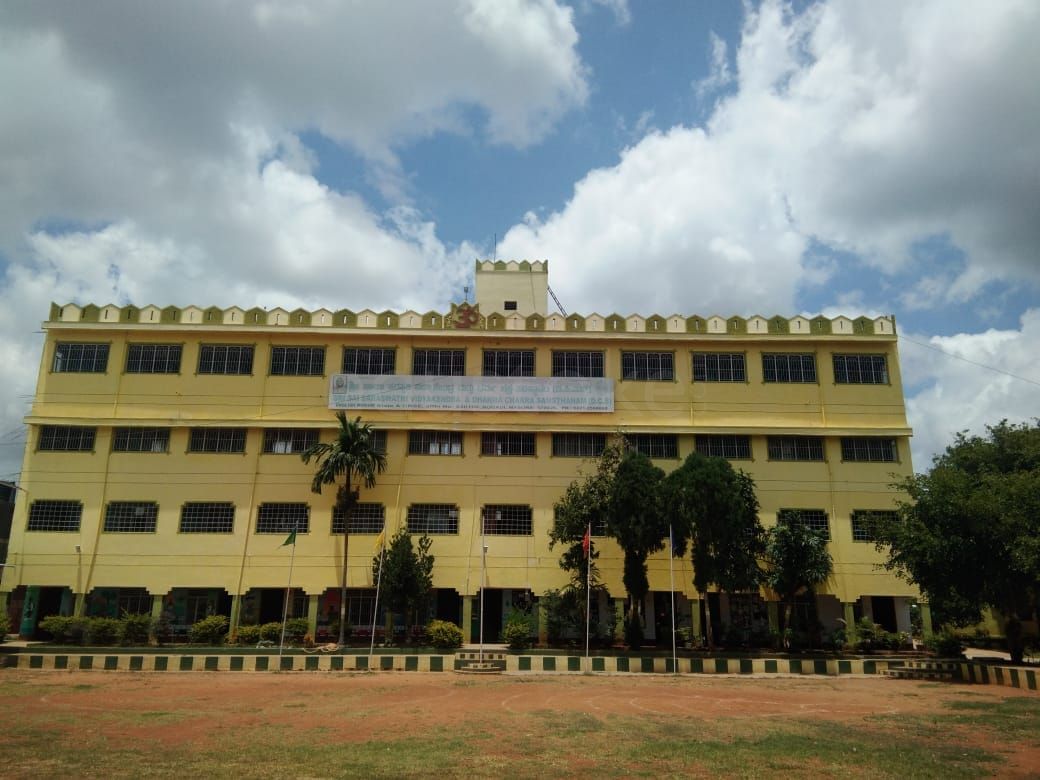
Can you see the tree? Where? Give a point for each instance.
(353, 457)
(407, 578)
(969, 532)
(714, 509)
(797, 560)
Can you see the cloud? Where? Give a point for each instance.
(720, 75)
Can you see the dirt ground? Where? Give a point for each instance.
(353, 708)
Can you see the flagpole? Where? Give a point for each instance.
(375, 608)
(588, 593)
(288, 589)
(671, 580)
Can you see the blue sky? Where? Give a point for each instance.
(691, 157)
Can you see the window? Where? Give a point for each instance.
(868, 448)
(434, 443)
(153, 359)
(366, 360)
(433, 519)
(217, 440)
(864, 521)
(731, 447)
(719, 367)
(66, 438)
(505, 444)
(507, 520)
(578, 445)
(141, 439)
(225, 359)
(789, 368)
(80, 358)
(297, 361)
(288, 441)
(648, 366)
(379, 441)
(508, 362)
(795, 447)
(815, 519)
(860, 370)
(439, 362)
(207, 517)
(283, 518)
(585, 364)
(131, 517)
(509, 306)
(365, 519)
(134, 601)
(654, 445)
(54, 516)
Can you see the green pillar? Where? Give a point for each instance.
(157, 608)
(29, 609)
(926, 619)
(235, 617)
(850, 621)
(543, 624)
(467, 619)
(619, 626)
(773, 607)
(81, 605)
(312, 614)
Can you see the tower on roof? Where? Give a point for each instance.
(507, 287)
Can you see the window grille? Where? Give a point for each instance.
(289, 441)
(795, 447)
(578, 445)
(860, 370)
(369, 360)
(507, 520)
(153, 359)
(80, 358)
(508, 362)
(815, 519)
(868, 449)
(61, 516)
(226, 359)
(131, 517)
(719, 367)
(220, 440)
(731, 447)
(439, 362)
(434, 443)
(789, 368)
(207, 517)
(141, 440)
(283, 518)
(654, 445)
(297, 361)
(433, 519)
(865, 520)
(582, 364)
(365, 519)
(66, 438)
(648, 366)
(507, 443)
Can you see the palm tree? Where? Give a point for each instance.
(352, 455)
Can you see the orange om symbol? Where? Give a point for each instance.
(466, 316)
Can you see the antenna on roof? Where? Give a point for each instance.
(563, 311)
(494, 254)
(465, 292)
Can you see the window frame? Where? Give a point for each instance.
(139, 431)
(864, 518)
(646, 354)
(520, 524)
(225, 369)
(47, 439)
(854, 444)
(277, 525)
(508, 444)
(272, 436)
(842, 376)
(787, 514)
(448, 443)
(211, 506)
(71, 508)
(650, 445)
(713, 371)
(152, 508)
(524, 360)
(312, 351)
(105, 345)
(216, 432)
(788, 358)
(368, 352)
(559, 358)
(723, 440)
(455, 357)
(154, 361)
(777, 448)
(451, 518)
(357, 524)
(598, 440)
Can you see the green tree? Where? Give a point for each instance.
(797, 560)
(352, 457)
(969, 532)
(714, 510)
(407, 578)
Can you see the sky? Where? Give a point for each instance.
(686, 156)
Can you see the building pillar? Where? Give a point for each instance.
(849, 610)
(157, 609)
(32, 599)
(80, 606)
(235, 617)
(619, 627)
(3, 603)
(926, 619)
(467, 619)
(696, 632)
(543, 624)
(312, 614)
(773, 608)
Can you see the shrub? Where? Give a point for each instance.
(444, 635)
(5, 624)
(209, 631)
(634, 633)
(944, 644)
(271, 632)
(78, 630)
(135, 629)
(296, 629)
(517, 632)
(104, 630)
(58, 627)
(248, 635)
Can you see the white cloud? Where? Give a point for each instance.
(720, 75)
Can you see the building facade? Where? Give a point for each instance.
(162, 470)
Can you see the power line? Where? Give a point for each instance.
(968, 360)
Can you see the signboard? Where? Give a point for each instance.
(471, 393)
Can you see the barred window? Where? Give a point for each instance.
(868, 449)
(80, 358)
(578, 445)
(795, 447)
(131, 517)
(153, 359)
(207, 517)
(365, 519)
(54, 516)
(439, 362)
(864, 522)
(297, 361)
(379, 441)
(283, 518)
(860, 370)
(134, 601)
(507, 520)
(815, 519)
(597, 527)
(288, 441)
(226, 359)
(369, 360)
(508, 362)
(648, 366)
(217, 440)
(584, 364)
(729, 446)
(789, 368)
(434, 443)
(719, 367)
(654, 445)
(141, 439)
(506, 443)
(66, 438)
(433, 519)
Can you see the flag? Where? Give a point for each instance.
(379, 540)
(586, 542)
(290, 539)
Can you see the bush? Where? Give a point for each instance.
(517, 632)
(271, 632)
(58, 626)
(135, 629)
(944, 644)
(209, 630)
(634, 633)
(5, 624)
(444, 635)
(248, 635)
(104, 630)
(296, 629)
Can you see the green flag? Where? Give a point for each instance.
(290, 539)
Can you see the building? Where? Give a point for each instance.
(162, 469)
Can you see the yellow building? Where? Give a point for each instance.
(162, 469)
